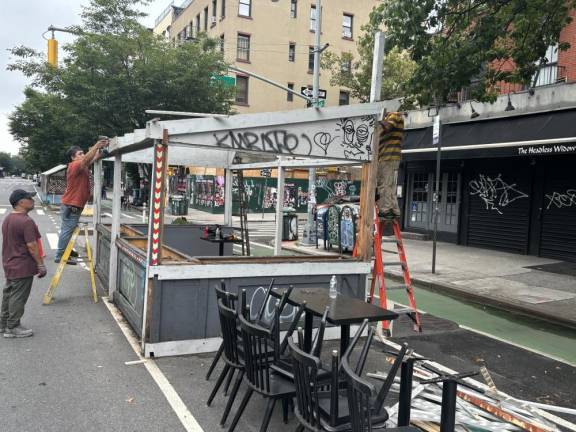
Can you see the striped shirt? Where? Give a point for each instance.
(390, 142)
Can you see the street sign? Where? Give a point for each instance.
(436, 130)
(226, 80)
(308, 92)
(266, 172)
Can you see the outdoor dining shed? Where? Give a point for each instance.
(162, 276)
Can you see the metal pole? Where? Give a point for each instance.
(309, 234)
(115, 228)
(436, 141)
(96, 216)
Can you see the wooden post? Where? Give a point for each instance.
(115, 228)
(157, 201)
(370, 170)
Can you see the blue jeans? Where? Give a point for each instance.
(68, 223)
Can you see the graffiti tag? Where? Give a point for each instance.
(560, 200)
(495, 192)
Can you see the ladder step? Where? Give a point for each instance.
(389, 241)
(392, 263)
(404, 311)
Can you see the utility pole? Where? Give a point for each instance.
(436, 141)
(309, 234)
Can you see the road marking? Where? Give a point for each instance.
(543, 354)
(52, 240)
(40, 212)
(107, 214)
(3, 210)
(125, 215)
(179, 407)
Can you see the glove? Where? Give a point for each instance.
(41, 271)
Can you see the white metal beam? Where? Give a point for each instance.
(279, 206)
(97, 205)
(115, 228)
(295, 163)
(228, 197)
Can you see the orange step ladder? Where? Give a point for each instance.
(378, 271)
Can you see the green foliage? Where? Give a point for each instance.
(456, 44)
(113, 71)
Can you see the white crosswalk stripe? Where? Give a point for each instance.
(40, 212)
(3, 210)
(52, 240)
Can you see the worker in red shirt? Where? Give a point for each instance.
(77, 193)
(22, 260)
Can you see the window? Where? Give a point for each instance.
(292, 52)
(241, 90)
(293, 8)
(222, 43)
(222, 8)
(344, 98)
(549, 72)
(197, 24)
(310, 59)
(346, 65)
(191, 30)
(243, 48)
(290, 96)
(206, 18)
(214, 7)
(245, 8)
(312, 18)
(347, 26)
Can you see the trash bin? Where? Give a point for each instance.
(178, 205)
(289, 224)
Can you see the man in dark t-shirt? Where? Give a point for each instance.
(77, 193)
(21, 261)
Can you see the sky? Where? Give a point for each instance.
(23, 23)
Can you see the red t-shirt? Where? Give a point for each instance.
(77, 185)
(17, 230)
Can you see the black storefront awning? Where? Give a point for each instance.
(491, 132)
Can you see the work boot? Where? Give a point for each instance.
(18, 332)
(71, 261)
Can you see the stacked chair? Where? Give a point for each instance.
(328, 399)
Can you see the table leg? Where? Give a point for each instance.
(221, 249)
(308, 324)
(344, 338)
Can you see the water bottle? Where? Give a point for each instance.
(333, 287)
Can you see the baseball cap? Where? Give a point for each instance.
(19, 194)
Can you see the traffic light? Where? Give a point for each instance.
(53, 52)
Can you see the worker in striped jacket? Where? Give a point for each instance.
(389, 153)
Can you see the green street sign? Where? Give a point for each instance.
(321, 103)
(227, 80)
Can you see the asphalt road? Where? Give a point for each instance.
(71, 375)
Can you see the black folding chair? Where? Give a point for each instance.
(365, 404)
(258, 362)
(230, 300)
(232, 356)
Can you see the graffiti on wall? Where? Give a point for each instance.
(560, 200)
(495, 192)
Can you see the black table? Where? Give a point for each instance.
(220, 243)
(343, 312)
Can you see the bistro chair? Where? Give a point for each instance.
(230, 300)
(233, 356)
(258, 367)
(365, 404)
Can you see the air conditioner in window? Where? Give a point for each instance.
(213, 20)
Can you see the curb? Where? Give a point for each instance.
(454, 291)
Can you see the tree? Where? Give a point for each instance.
(476, 43)
(112, 73)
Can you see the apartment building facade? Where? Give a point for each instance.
(274, 39)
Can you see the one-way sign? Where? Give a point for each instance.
(308, 92)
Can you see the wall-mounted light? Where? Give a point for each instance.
(509, 107)
(474, 113)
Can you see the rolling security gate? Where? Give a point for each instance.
(499, 205)
(558, 214)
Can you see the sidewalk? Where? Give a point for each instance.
(499, 279)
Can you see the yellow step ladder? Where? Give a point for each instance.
(83, 226)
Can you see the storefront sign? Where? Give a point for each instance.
(547, 149)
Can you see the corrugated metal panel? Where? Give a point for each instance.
(498, 214)
(558, 234)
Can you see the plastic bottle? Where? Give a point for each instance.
(333, 287)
